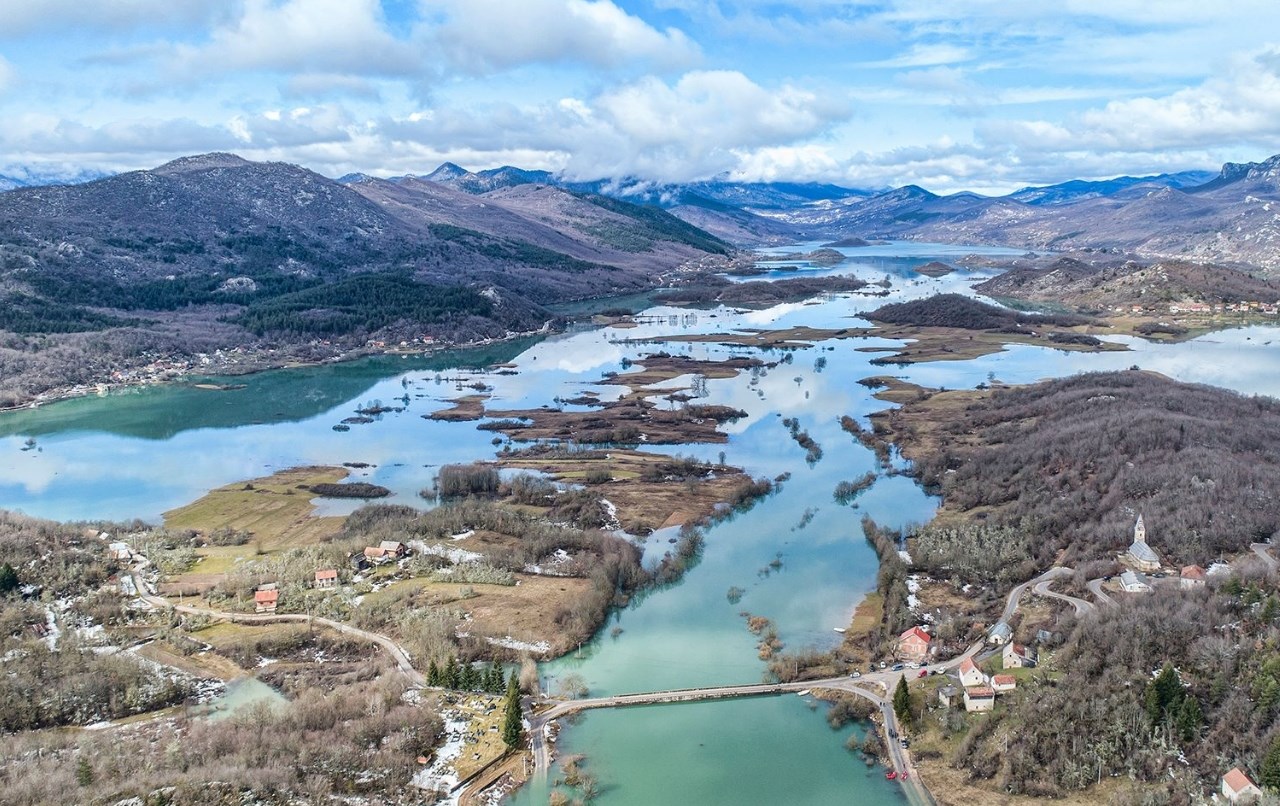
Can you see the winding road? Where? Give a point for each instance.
(397, 652)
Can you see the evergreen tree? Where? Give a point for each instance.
(1189, 718)
(1270, 772)
(512, 720)
(84, 772)
(902, 701)
(494, 685)
(1270, 610)
(8, 579)
(1164, 696)
(433, 674)
(449, 678)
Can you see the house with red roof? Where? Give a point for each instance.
(265, 601)
(326, 578)
(1193, 576)
(1003, 683)
(970, 674)
(1239, 788)
(913, 645)
(979, 698)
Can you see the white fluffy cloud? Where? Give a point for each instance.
(1238, 105)
(302, 36)
(484, 35)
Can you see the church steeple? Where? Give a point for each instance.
(1139, 531)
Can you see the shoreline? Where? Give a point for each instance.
(177, 376)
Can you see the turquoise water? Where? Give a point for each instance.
(140, 453)
(242, 694)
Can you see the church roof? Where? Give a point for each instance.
(1141, 551)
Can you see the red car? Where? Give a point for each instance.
(923, 673)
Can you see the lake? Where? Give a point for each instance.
(141, 452)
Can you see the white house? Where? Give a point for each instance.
(1238, 788)
(1193, 576)
(1000, 634)
(1134, 583)
(1002, 683)
(970, 674)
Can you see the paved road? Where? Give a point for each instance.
(1082, 607)
(1095, 587)
(1011, 604)
(393, 649)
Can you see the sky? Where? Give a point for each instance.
(984, 95)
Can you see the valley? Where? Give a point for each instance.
(695, 488)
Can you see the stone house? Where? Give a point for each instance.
(979, 698)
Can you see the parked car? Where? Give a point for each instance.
(897, 667)
(923, 673)
(856, 674)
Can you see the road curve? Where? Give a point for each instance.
(1011, 604)
(1082, 607)
(1095, 587)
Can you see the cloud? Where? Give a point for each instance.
(1239, 105)
(302, 36)
(22, 17)
(925, 56)
(488, 35)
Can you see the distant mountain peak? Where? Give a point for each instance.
(447, 171)
(203, 162)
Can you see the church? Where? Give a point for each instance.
(1141, 556)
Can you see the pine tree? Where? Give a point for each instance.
(8, 579)
(1189, 718)
(902, 701)
(433, 674)
(494, 685)
(512, 719)
(449, 678)
(84, 772)
(1270, 610)
(1270, 772)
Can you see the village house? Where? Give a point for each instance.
(1002, 683)
(1018, 656)
(1000, 634)
(979, 698)
(949, 696)
(1134, 583)
(913, 645)
(358, 562)
(394, 548)
(1238, 788)
(265, 601)
(327, 578)
(970, 674)
(1192, 576)
(1141, 556)
(386, 551)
